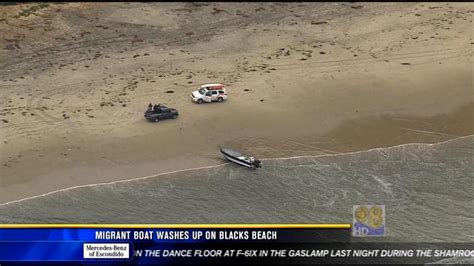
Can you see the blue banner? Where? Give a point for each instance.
(118, 244)
(231, 245)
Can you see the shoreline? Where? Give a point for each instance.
(2, 204)
(388, 135)
(332, 79)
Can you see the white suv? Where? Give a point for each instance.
(209, 93)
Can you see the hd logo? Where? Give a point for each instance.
(368, 220)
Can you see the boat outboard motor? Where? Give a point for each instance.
(257, 163)
(254, 162)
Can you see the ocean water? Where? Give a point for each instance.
(427, 191)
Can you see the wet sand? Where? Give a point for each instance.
(303, 79)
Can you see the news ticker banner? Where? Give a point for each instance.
(210, 243)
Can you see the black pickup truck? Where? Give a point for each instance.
(160, 112)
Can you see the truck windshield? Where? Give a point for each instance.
(202, 91)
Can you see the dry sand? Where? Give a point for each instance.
(303, 78)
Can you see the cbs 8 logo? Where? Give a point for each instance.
(372, 217)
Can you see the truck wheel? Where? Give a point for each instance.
(199, 101)
(175, 116)
(156, 120)
(220, 99)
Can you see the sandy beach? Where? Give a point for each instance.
(303, 79)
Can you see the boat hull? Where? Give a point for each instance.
(233, 156)
(239, 162)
